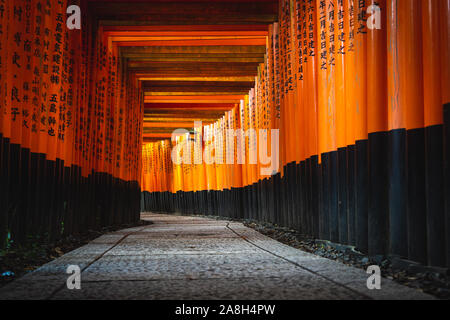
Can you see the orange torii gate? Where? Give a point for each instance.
(327, 116)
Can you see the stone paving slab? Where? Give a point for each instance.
(181, 267)
(145, 246)
(307, 287)
(179, 257)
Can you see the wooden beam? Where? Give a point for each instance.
(203, 8)
(184, 13)
(175, 112)
(169, 130)
(132, 32)
(196, 95)
(206, 98)
(198, 73)
(195, 69)
(186, 28)
(178, 37)
(219, 66)
(222, 79)
(178, 58)
(186, 65)
(197, 86)
(188, 83)
(153, 140)
(177, 20)
(185, 19)
(189, 43)
(182, 113)
(193, 101)
(184, 106)
(158, 136)
(176, 120)
(169, 65)
(181, 124)
(198, 89)
(132, 55)
(226, 98)
(196, 50)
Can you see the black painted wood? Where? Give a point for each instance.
(351, 194)
(361, 189)
(434, 190)
(343, 197)
(447, 178)
(378, 196)
(325, 197)
(334, 196)
(3, 187)
(314, 194)
(398, 192)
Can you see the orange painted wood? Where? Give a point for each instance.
(189, 43)
(377, 104)
(432, 68)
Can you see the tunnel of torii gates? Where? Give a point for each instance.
(355, 99)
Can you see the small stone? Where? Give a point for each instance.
(378, 259)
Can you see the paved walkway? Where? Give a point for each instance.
(197, 258)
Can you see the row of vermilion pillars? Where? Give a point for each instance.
(362, 134)
(70, 125)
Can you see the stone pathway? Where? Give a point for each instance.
(191, 258)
